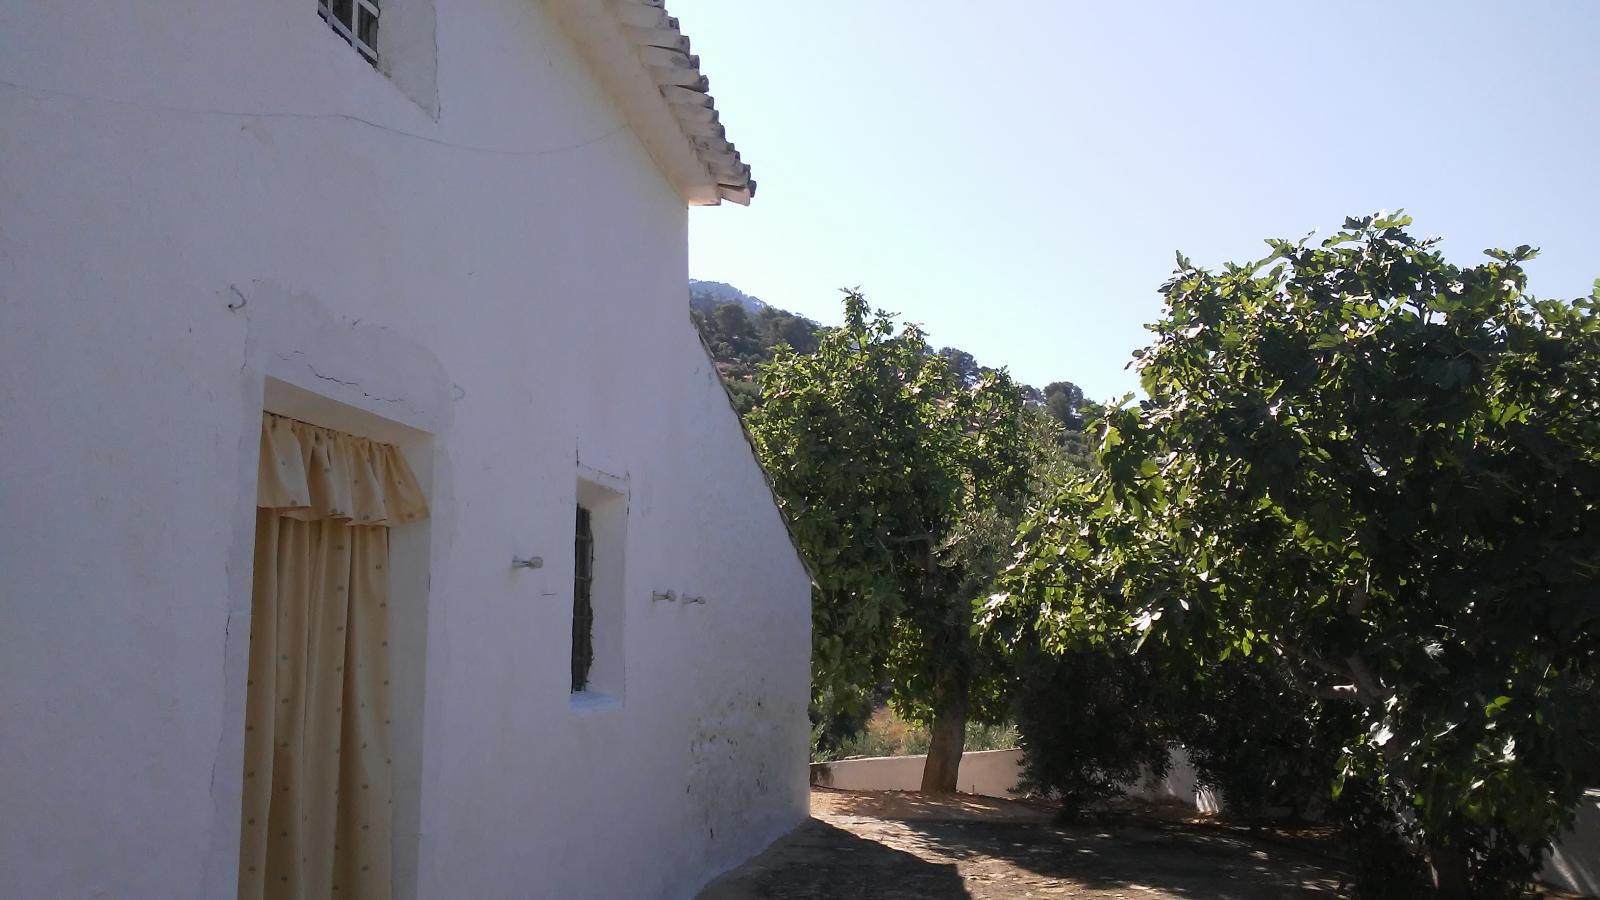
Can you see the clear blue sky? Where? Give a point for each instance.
(1017, 176)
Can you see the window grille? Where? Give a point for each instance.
(356, 21)
(582, 607)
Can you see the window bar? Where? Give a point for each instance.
(364, 29)
(340, 14)
(582, 605)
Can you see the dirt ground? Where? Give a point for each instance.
(899, 846)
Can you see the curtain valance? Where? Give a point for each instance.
(312, 473)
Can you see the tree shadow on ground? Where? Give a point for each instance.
(819, 861)
(912, 805)
(1008, 848)
(1181, 860)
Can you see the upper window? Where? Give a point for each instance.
(356, 21)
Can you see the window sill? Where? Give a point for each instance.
(590, 702)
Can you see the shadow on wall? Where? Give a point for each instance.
(1181, 784)
(1574, 863)
(821, 860)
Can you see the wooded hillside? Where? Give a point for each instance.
(741, 330)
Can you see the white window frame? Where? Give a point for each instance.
(350, 32)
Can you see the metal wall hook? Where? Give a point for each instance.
(532, 562)
(668, 596)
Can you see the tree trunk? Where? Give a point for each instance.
(1451, 879)
(949, 736)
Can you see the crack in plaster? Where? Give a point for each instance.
(355, 384)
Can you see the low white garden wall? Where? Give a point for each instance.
(994, 773)
(989, 773)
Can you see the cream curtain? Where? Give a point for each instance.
(316, 811)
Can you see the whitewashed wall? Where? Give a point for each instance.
(501, 288)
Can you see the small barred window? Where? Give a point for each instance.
(582, 602)
(356, 21)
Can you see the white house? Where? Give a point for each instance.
(374, 523)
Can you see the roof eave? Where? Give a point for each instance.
(642, 59)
